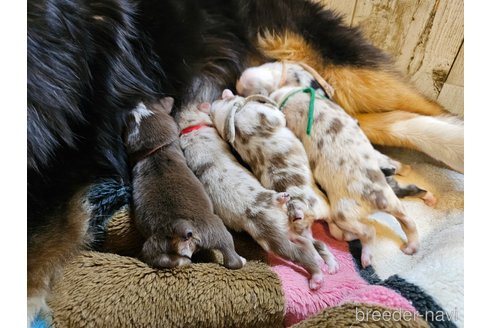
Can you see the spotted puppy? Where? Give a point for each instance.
(170, 206)
(238, 198)
(343, 161)
(256, 129)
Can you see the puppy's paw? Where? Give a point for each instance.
(429, 199)
(316, 281)
(183, 261)
(169, 261)
(235, 263)
(333, 265)
(366, 259)
(409, 248)
(282, 198)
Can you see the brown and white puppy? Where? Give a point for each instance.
(257, 130)
(170, 206)
(344, 162)
(238, 198)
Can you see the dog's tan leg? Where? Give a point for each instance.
(49, 248)
(392, 113)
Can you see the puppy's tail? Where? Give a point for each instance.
(441, 137)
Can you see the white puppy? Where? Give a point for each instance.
(237, 196)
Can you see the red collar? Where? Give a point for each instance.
(143, 154)
(193, 128)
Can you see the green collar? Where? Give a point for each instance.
(311, 104)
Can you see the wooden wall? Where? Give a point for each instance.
(424, 36)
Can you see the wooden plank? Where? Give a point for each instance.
(394, 26)
(344, 7)
(452, 93)
(435, 55)
(451, 97)
(457, 71)
(423, 36)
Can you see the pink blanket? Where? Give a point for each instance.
(345, 286)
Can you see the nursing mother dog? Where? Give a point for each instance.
(89, 63)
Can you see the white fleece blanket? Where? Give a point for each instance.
(438, 267)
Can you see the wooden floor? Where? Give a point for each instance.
(424, 36)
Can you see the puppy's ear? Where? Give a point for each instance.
(282, 198)
(272, 121)
(227, 94)
(167, 104)
(230, 125)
